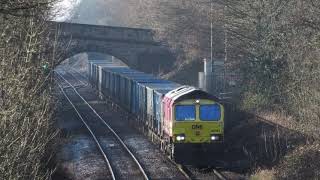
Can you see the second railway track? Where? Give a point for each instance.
(121, 162)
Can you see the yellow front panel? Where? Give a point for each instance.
(198, 131)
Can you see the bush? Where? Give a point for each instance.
(253, 101)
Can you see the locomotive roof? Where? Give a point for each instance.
(180, 90)
(189, 92)
(196, 94)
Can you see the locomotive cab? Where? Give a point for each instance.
(197, 121)
(194, 122)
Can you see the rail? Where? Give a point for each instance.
(91, 132)
(106, 124)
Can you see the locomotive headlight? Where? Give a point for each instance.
(215, 138)
(181, 137)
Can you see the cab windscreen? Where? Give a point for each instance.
(185, 112)
(210, 112)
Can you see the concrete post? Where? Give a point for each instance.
(201, 83)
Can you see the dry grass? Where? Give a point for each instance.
(263, 175)
(279, 117)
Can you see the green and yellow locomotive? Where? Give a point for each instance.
(192, 120)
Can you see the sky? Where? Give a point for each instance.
(64, 9)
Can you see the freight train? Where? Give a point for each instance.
(183, 118)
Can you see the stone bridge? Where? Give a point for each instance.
(135, 47)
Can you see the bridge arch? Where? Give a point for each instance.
(135, 47)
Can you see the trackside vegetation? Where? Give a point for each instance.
(26, 103)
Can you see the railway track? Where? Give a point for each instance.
(83, 78)
(217, 175)
(119, 159)
(76, 82)
(183, 169)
